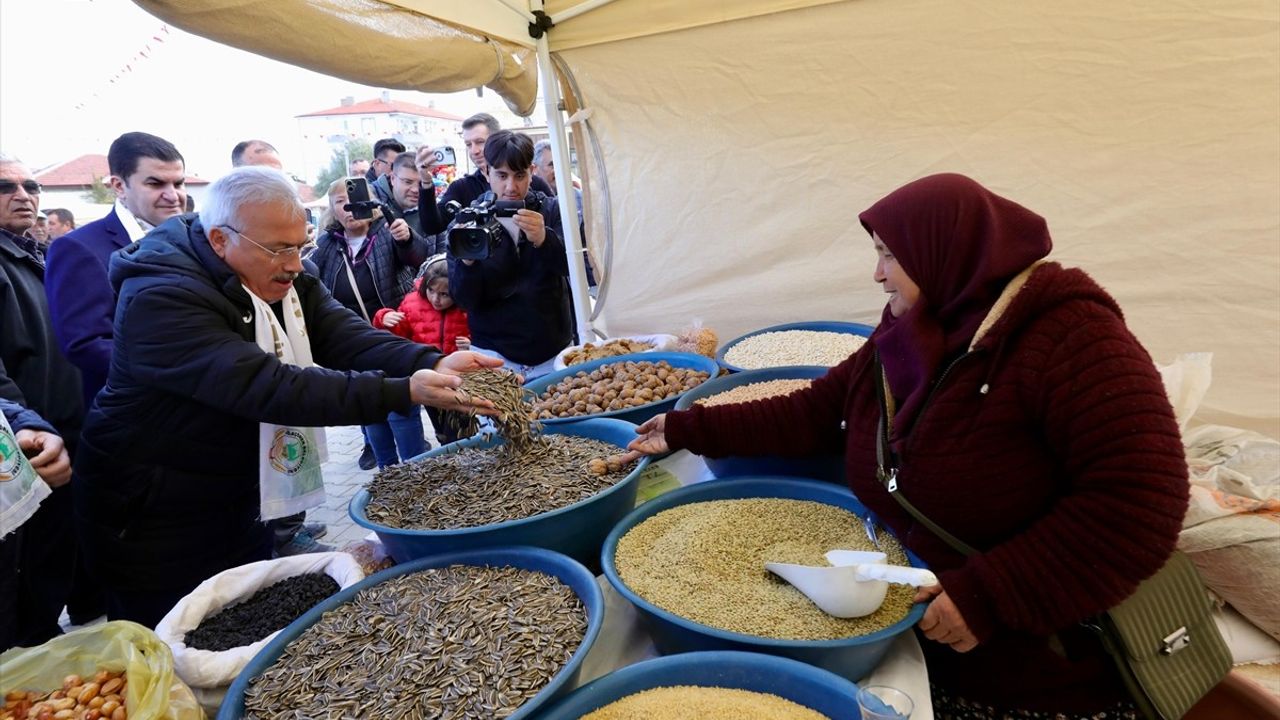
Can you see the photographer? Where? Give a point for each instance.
(399, 190)
(510, 273)
(468, 188)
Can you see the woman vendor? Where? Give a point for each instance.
(1022, 417)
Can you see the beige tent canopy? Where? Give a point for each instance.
(739, 140)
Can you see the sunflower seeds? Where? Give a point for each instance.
(479, 486)
(453, 642)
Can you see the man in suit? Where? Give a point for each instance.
(148, 175)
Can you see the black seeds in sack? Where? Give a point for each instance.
(265, 612)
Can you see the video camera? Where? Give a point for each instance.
(476, 230)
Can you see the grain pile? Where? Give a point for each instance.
(754, 391)
(480, 486)
(686, 702)
(616, 386)
(455, 642)
(793, 347)
(705, 562)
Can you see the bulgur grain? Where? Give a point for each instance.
(754, 391)
(687, 702)
(793, 347)
(705, 562)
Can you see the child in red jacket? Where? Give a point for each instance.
(428, 316)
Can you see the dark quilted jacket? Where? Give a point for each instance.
(1050, 446)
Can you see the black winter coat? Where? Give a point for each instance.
(167, 484)
(33, 371)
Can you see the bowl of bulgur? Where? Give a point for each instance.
(722, 684)
(692, 563)
(817, 343)
(759, 385)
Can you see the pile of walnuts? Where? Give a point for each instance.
(616, 386)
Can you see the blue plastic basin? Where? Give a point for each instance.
(571, 573)
(851, 658)
(576, 530)
(802, 684)
(816, 326)
(637, 414)
(829, 468)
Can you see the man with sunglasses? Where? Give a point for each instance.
(34, 374)
(227, 356)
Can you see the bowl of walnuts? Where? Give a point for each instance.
(632, 387)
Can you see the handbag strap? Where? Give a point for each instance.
(887, 472)
(351, 277)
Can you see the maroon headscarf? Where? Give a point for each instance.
(961, 244)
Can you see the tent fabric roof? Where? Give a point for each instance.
(83, 171)
(738, 154)
(377, 106)
(412, 52)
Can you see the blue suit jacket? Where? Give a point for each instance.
(82, 304)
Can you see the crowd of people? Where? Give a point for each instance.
(167, 374)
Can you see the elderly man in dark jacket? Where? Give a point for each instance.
(34, 373)
(168, 479)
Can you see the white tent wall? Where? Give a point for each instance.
(1147, 133)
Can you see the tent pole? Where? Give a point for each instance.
(564, 192)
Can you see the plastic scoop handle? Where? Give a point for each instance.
(897, 574)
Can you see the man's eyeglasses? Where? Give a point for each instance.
(9, 187)
(278, 255)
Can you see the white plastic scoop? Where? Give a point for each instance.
(854, 585)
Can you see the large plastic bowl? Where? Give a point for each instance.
(820, 467)
(576, 530)
(805, 685)
(816, 326)
(571, 573)
(851, 658)
(637, 414)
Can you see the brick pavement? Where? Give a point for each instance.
(342, 478)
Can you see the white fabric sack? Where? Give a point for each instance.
(210, 669)
(660, 342)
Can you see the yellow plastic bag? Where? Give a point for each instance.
(153, 692)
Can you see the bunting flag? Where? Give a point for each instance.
(138, 57)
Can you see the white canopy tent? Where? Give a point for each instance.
(739, 140)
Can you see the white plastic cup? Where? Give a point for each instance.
(881, 702)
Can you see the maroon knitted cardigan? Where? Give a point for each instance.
(1050, 446)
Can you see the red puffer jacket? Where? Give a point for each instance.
(1049, 445)
(424, 324)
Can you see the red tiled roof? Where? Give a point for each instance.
(377, 106)
(83, 171)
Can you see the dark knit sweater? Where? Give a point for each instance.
(1049, 445)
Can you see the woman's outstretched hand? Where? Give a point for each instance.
(652, 440)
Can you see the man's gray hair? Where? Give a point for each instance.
(248, 185)
(538, 147)
(6, 158)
